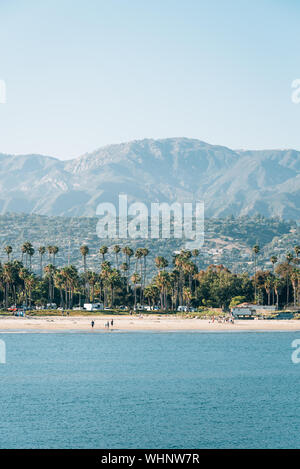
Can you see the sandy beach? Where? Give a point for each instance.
(150, 323)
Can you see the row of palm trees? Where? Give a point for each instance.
(67, 280)
(27, 252)
(287, 273)
(179, 282)
(140, 259)
(17, 284)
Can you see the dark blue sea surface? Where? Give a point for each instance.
(150, 390)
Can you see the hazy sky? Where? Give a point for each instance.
(85, 73)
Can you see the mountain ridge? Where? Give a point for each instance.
(231, 182)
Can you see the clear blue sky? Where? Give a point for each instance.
(84, 73)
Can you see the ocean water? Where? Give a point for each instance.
(150, 390)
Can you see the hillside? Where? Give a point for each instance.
(228, 241)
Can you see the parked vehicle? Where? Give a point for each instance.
(93, 306)
(186, 309)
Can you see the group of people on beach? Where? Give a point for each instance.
(107, 324)
(227, 319)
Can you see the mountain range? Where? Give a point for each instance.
(231, 182)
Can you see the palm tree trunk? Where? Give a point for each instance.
(134, 296)
(254, 278)
(61, 298)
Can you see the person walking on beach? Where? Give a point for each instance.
(92, 324)
(112, 323)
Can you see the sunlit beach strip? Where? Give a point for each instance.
(129, 324)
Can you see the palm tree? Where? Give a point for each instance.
(268, 286)
(294, 281)
(128, 252)
(162, 281)
(289, 258)
(135, 278)
(30, 253)
(195, 253)
(161, 263)
(103, 250)
(70, 276)
(55, 250)
(30, 281)
(187, 296)
(113, 281)
(298, 288)
(151, 292)
(139, 256)
(84, 252)
(124, 268)
(181, 262)
(190, 269)
(274, 259)
(8, 250)
(278, 285)
(23, 250)
(116, 250)
(174, 282)
(50, 271)
(23, 274)
(10, 279)
(92, 278)
(59, 283)
(41, 251)
(104, 276)
(255, 251)
(178, 263)
(185, 254)
(145, 253)
(49, 249)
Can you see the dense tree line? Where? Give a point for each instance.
(178, 281)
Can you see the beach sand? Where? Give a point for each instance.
(135, 323)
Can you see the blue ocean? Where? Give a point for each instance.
(150, 390)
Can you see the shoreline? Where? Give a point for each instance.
(12, 324)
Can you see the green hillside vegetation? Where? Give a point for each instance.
(80, 268)
(228, 241)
